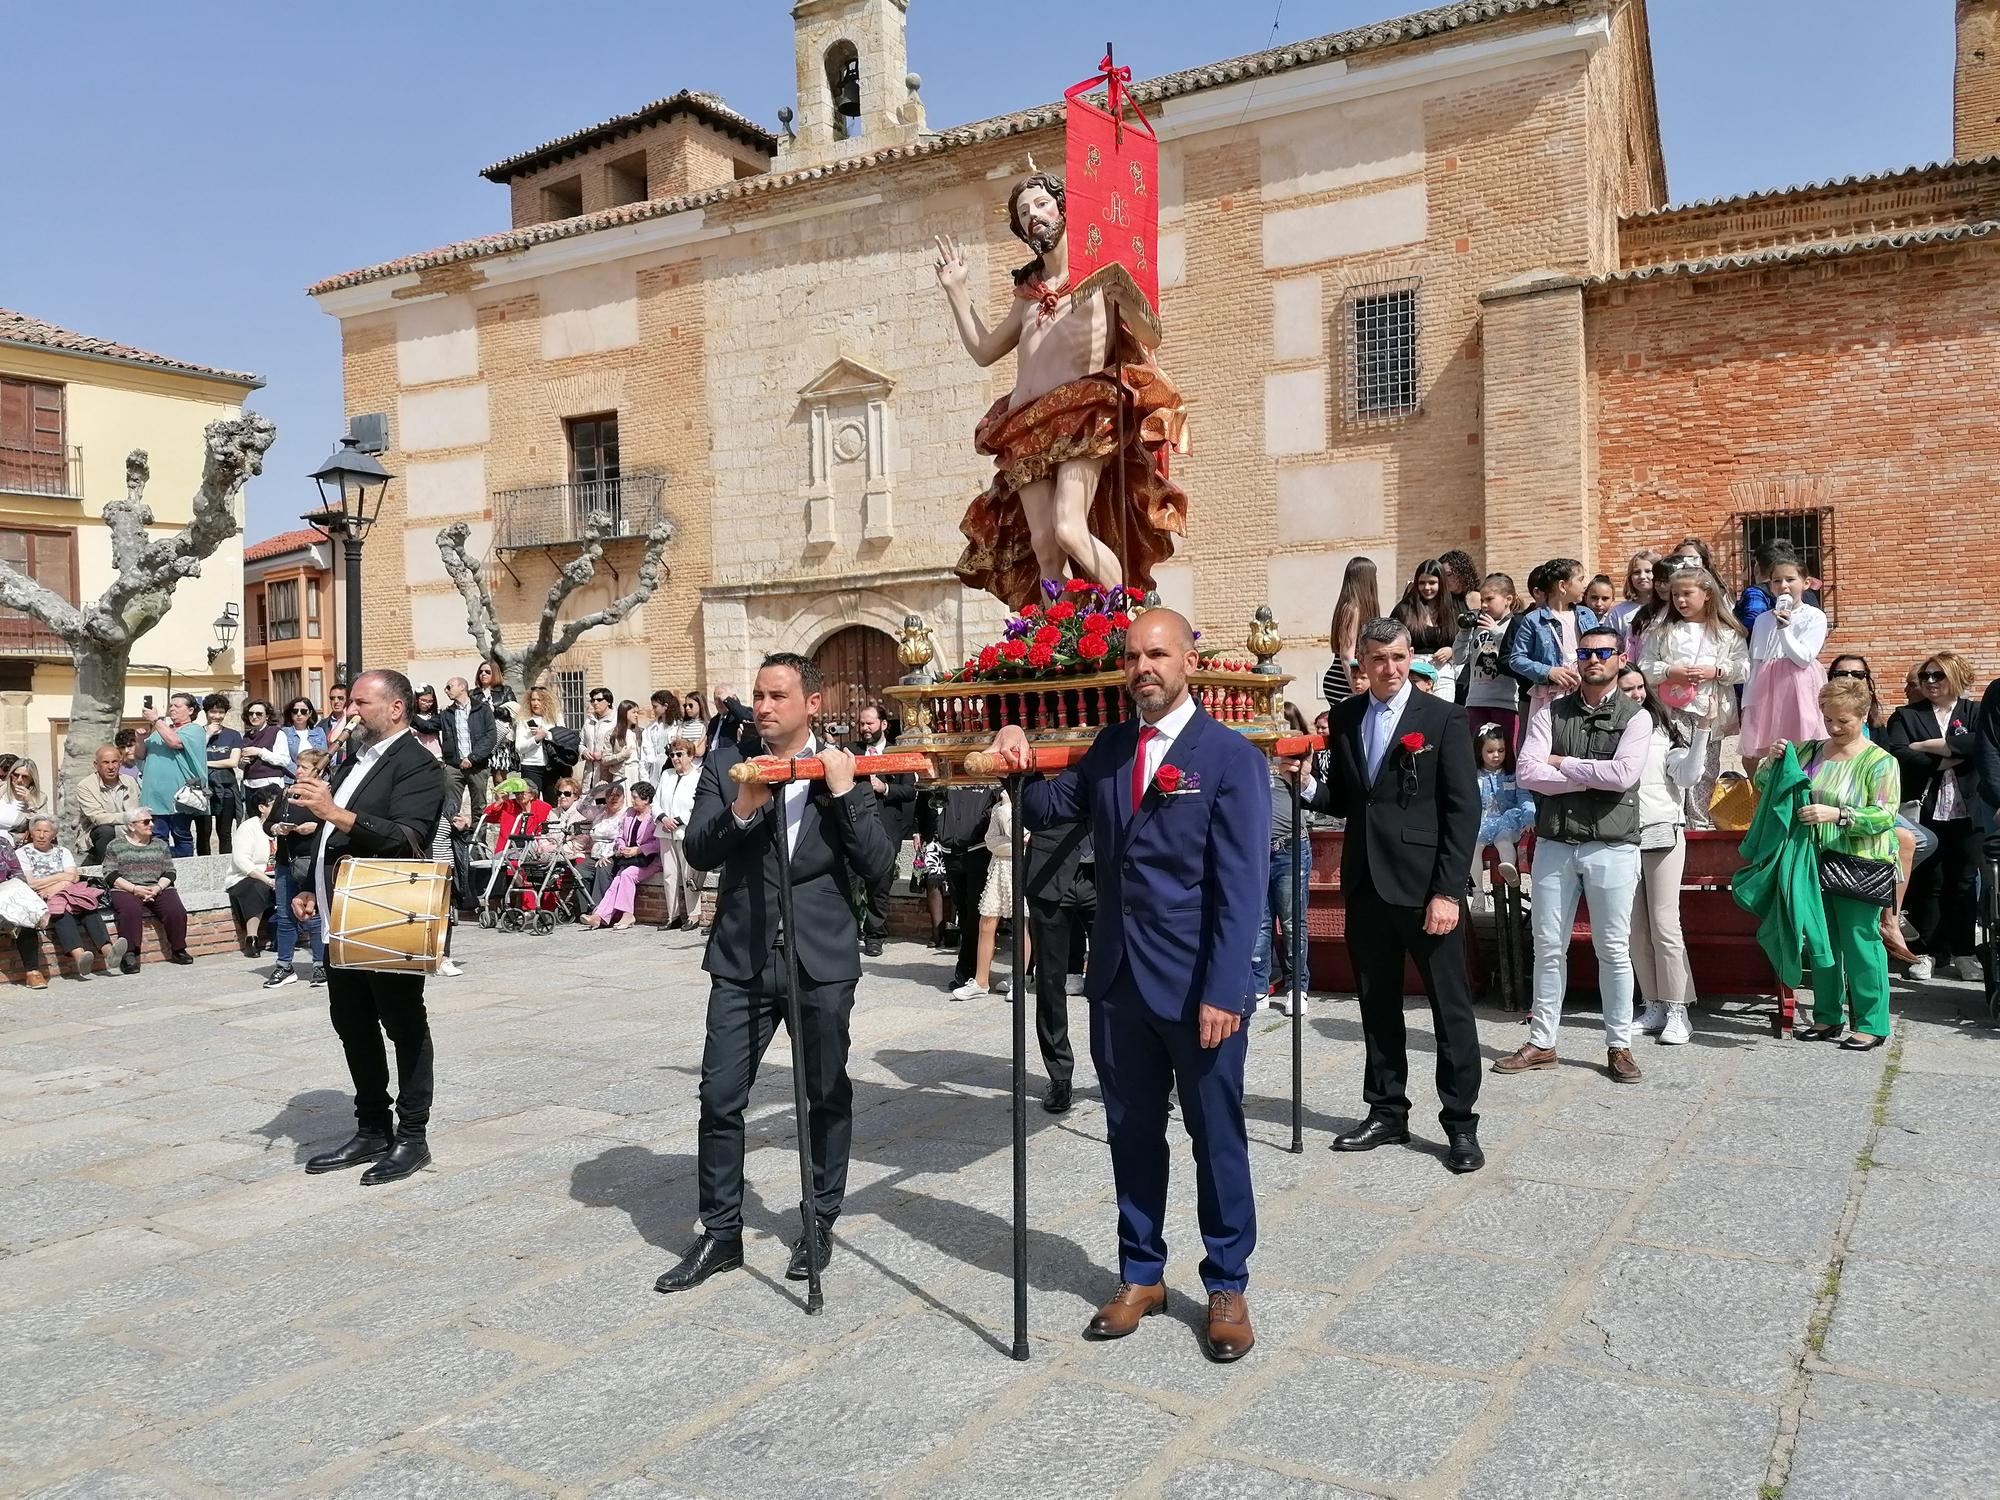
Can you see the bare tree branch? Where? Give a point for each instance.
(18, 591)
(463, 570)
(128, 520)
(652, 573)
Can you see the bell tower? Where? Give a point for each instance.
(856, 92)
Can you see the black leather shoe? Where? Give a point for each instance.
(408, 1154)
(182, 957)
(705, 1258)
(129, 964)
(366, 1146)
(1464, 1155)
(871, 947)
(1056, 1101)
(796, 1271)
(1372, 1132)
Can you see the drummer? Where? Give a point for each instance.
(382, 803)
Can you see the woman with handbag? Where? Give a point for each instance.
(173, 772)
(73, 918)
(1853, 815)
(1933, 741)
(490, 688)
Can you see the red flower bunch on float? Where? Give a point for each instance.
(1074, 627)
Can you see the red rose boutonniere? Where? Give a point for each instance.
(1414, 743)
(1172, 781)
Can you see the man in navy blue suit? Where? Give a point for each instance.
(1180, 813)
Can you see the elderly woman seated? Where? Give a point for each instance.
(516, 811)
(606, 809)
(140, 871)
(73, 919)
(635, 856)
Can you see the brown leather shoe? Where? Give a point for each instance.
(36, 979)
(1526, 1058)
(1228, 1337)
(1618, 1063)
(1127, 1306)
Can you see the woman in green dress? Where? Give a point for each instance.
(1855, 789)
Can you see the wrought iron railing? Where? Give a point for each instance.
(24, 635)
(552, 515)
(28, 473)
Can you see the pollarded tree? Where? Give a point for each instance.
(521, 667)
(145, 572)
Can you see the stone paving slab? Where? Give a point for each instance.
(1768, 1264)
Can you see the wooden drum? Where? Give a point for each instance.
(389, 915)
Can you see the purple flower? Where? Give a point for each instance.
(1052, 589)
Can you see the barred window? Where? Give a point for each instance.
(1384, 378)
(1809, 529)
(570, 694)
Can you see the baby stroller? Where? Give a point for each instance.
(532, 887)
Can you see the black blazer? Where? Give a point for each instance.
(1061, 866)
(898, 804)
(840, 839)
(1410, 833)
(485, 733)
(395, 810)
(1920, 770)
(1986, 734)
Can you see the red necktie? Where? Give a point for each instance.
(1146, 733)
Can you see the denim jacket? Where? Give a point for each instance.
(1537, 646)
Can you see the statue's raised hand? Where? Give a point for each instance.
(951, 272)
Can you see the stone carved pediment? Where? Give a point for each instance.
(845, 380)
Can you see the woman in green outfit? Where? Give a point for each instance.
(1855, 788)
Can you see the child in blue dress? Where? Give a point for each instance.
(1505, 811)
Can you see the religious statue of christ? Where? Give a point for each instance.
(1080, 445)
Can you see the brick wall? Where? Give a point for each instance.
(677, 156)
(1976, 95)
(1867, 381)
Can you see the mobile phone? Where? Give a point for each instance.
(147, 701)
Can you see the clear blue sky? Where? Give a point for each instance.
(195, 165)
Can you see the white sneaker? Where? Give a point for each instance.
(1073, 984)
(1653, 1019)
(1969, 970)
(1920, 971)
(972, 989)
(1282, 1003)
(450, 970)
(1677, 1028)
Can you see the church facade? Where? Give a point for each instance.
(1421, 286)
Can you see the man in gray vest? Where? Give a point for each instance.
(1582, 758)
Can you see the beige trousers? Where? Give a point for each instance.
(1659, 952)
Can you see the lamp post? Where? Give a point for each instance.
(225, 632)
(351, 487)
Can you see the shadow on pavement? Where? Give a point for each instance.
(311, 1121)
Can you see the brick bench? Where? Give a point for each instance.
(203, 881)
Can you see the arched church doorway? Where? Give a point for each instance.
(857, 663)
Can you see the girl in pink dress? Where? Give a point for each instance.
(1781, 697)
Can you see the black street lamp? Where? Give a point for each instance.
(351, 487)
(225, 632)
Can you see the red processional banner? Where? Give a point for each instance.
(1111, 179)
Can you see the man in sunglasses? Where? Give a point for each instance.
(1582, 758)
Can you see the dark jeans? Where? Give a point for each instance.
(101, 835)
(177, 829)
(364, 1005)
(1943, 896)
(1054, 927)
(1278, 909)
(28, 944)
(965, 875)
(287, 925)
(73, 932)
(214, 830)
(131, 913)
(742, 1018)
(1379, 936)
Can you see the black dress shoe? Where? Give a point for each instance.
(1464, 1155)
(796, 1271)
(366, 1146)
(871, 947)
(129, 964)
(182, 957)
(1056, 1101)
(705, 1258)
(408, 1154)
(1372, 1132)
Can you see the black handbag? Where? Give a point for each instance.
(1869, 881)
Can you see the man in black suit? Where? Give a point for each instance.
(382, 803)
(1061, 891)
(896, 797)
(835, 837)
(1403, 776)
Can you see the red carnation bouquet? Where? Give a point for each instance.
(1075, 629)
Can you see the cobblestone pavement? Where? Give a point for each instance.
(1770, 1264)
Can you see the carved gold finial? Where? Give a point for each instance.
(916, 650)
(1265, 642)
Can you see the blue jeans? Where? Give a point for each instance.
(1608, 875)
(288, 925)
(176, 830)
(1278, 900)
(1927, 842)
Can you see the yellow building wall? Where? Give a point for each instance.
(110, 409)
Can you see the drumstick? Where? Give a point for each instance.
(771, 770)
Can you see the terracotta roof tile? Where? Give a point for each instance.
(1977, 166)
(1811, 250)
(707, 108)
(284, 541)
(1423, 24)
(33, 333)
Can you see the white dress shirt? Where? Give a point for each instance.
(792, 797)
(1378, 726)
(343, 796)
(1165, 732)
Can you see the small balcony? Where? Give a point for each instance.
(24, 635)
(25, 472)
(557, 515)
